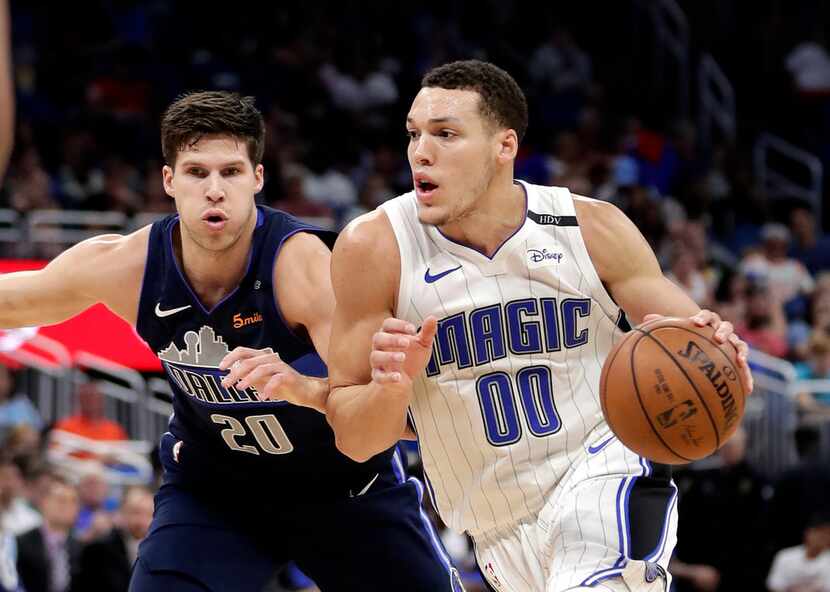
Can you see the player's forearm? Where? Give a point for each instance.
(366, 419)
(317, 392)
(26, 302)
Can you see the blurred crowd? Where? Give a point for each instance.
(334, 83)
(66, 526)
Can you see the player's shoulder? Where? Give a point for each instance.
(367, 233)
(601, 221)
(113, 252)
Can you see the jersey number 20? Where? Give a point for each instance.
(499, 410)
(265, 429)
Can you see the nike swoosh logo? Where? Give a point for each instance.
(166, 313)
(434, 278)
(600, 446)
(365, 489)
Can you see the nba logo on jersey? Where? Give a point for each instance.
(491, 574)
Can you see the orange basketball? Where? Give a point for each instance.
(670, 392)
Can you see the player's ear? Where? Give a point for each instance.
(259, 174)
(167, 179)
(508, 145)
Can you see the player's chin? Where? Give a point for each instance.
(432, 215)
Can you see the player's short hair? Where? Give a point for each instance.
(198, 114)
(502, 101)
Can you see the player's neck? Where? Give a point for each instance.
(497, 215)
(214, 274)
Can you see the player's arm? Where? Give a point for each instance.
(106, 268)
(6, 88)
(367, 414)
(303, 293)
(626, 264)
(631, 273)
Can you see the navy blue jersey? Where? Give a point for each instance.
(230, 435)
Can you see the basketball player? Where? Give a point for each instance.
(503, 299)
(248, 484)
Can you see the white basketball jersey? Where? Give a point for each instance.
(512, 390)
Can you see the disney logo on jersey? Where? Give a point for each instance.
(195, 369)
(543, 256)
(239, 321)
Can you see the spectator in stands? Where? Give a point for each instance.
(29, 185)
(38, 477)
(9, 581)
(47, 555)
(764, 326)
(562, 72)
(105, 563)
(809, 65)
(23, 441)
(15, 408)
(788, 279)
(684, 272)
(815, 406)
(820, 305)
(154, 198)
(90, 422)
(806, 567)
(6, 96)
(95, 517)
(731, 297)
(355, 84)
(801, 491)
(79, 177)
(733, 494)
(808, 246)
(120, 191)
(17, 515)
(294, 201)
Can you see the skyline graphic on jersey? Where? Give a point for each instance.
(195, 369)
(204, 348)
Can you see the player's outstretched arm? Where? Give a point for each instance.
(107, 269)
(6, 88)
(628, 268)
(368, 411)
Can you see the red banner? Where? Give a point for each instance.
(96, 330)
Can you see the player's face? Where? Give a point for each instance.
(452, 151)
(213, 184)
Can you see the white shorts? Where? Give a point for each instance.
(611, 506)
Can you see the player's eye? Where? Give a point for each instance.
(231, 171)
(196, 172)
(446, 134)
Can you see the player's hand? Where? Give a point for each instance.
(724, 332)
(268, 374)
(400, 352)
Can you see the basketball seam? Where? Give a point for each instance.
(640, 399)
(689, 379)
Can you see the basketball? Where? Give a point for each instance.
(670, 392)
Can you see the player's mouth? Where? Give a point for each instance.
(215, 219)
(425, 188)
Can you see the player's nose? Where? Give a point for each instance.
(215, 190)
(422, 153)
